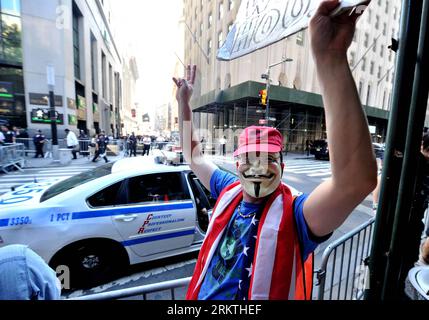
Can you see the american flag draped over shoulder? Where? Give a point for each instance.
(278, 271)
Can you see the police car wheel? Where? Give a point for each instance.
(91, 263)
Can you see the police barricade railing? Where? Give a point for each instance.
(141, 292)
(12, 156)
(343, 274)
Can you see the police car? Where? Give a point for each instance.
(99, 222)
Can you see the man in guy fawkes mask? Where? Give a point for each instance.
(260, 238)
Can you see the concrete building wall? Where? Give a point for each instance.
(47, 38)
(299, 74)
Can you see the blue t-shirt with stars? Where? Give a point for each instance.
(229, 272)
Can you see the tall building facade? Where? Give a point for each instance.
(74, 38)
(129, 111)
(226, 92)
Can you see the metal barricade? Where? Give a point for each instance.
(142, 292)
(344, 268)
(12, 156)
(341, 276)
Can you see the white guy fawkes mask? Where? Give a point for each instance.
(260, 173)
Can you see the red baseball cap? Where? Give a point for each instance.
(259, 139)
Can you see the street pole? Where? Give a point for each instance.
(267, 88)
(53, 116)
(267, 110)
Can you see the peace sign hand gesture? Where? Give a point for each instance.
(185, 86)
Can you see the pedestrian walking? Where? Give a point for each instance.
(92, 146)
(308, 144)
(101, 147)
(146, 145)
(133, 145)
(39, 142)
(72, 142)
(222, 142)
(203, 144)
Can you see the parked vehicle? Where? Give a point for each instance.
(100, 221)
(320, 149)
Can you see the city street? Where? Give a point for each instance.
(301, 172)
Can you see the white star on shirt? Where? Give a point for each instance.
(254, 220)
(239, 284)
(250, 270)
(256, 237)
(245, 250)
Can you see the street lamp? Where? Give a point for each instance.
(50, 72)
(266, 76)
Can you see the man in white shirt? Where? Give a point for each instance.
(72, 142)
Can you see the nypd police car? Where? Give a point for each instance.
(98, 222)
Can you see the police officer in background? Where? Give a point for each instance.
(39, 141)
(9, 135)
(101, 147)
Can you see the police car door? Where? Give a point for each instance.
(159, 214)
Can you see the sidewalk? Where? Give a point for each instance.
(31, 162)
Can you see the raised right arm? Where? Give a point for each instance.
(201, 166)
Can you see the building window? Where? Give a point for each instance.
(386, 9)
(382, 51)
(230, 27)
(377, 22)
(110, 83)
(220, 16)
(384, 28)
(371, 69)
(103, 75)
(201, 29)
(230, 5)
(379, 73)
(209, 47)
(388, 76)
(368, 95)
(300, 38)
(201, 5)
(76, 43)
(220, 39)
(210, 20)
(384, 100)
(360, 88)
(366, 40)
(94, 64)
(10, 37)
(369, 15)
(363, 64)
(395, 13)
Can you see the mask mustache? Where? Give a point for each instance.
(266, 176)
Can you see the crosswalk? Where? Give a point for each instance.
(309, 167)
(7, 181)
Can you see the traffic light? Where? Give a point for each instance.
(263, 97)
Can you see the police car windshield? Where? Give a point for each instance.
(77, 180)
